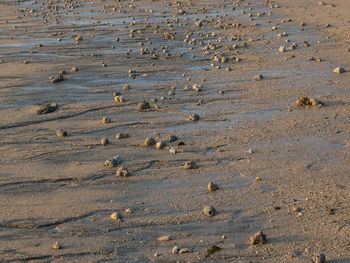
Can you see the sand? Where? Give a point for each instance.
(279, 168)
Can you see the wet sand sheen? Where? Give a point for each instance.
(279, 168)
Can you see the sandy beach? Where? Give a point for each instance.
(213, 85)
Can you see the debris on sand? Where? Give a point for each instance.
(122, 172)
(116, 216)
(339, 70)
(119, 99)
(56, 246)
(149, 142)
(184, 250)
(143, 105)
(113, 162)
(175, 250)
(59, 78)
(212, 187)
(164, 238)
(319, 258)
(47, 108)
(74, 69)
(193, 117)
(119, 136)
(258, 77)
(306, 102)
(171, 138)
(190, 165)
(173, 150)
(160, 145)
(258, 239)
(106, 120)
(209, 210)
(212, 250)
(61, 133)
(104, 141)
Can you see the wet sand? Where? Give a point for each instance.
(280, 168)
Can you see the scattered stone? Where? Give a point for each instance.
(258, 239)
(196, 87)
(104, 141)
(319, 258)
(128, 211)
(106, 120)
(56, 246)
(62, 72)
(126, 87)
(212, 187)
(307, 103)
(259, 77)
(190, 165)
(57, 79)
(122, 172)
(164, 238)
(175, 250)
(143, 105)
(47, 108)
(339, 70)
(150, 142)
(74, 69)
(78, 38)
(212, 250)
(113, 162)
(61, 133)
(209, 210)
(282, 49)
(193, 117)
(160, 145)
(119, 136)
(173, 150)
(119, 99)
(157, 254)
(116, 216)
(184, 250)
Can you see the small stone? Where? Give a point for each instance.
(122, 172)
(119, 136)
(339, 70)
(57, 79)
(209, 210)
(104, 141)
(106, 120)
(212, 187)
(307, 103)
(282, 49)
(128, 211)
(149, 142)
(196, 87)
(56, 246)
(173, 150)
(116, 216)
(47, 108)
(164, 238)
(184, 250)
(190, 165)
(113, 162)
(193, 117)
(319, 258)
(172, 138)
(74, 69)
(119, 99)
(78, 38)
(259, 77)
(175, 250)
(62, 72)
(157, 254)
(160, 145)
(126, 87)
(61, 133)
(143, 105)
(258, 239)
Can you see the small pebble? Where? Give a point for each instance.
(339, 70)
(190, 165)
(149, 142)
(172, 138)
(175, 250)
(106, 120)
(193, 117)
(119, 136)
(116, 216)
(113, 162)
(143, 105)
(122, 172)
(173, 150)
(212, 187)
(160, 145)
(319, 258)
(258, 239)
(104, 141)
(209, 210)
(56, 246)
(164, 238)
(184, 250)
(61, 133)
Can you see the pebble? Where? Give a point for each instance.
(196, 87)
(175, 250)
(157, 254)
(164, 238)
(57, 79)
(128, 211)
(173, 150)
(282, 49)
(209, 210)
(126, 87)
(104, 141)
(259, 77)
(160, 145)
(143, 105)
(74, 69)
(116, 216)
(184, 250)
(106, 120)
(307, 103)
(56, 246)
(47, 108)
(339, 70)
(319, 258)
(193, 117)
(258, 239)
(212, 187)
(172, 138)
(61, 133)
(119, 99)
(190, 165)
(113, 162)
(149, 142)
(122, 172)
(119, 136)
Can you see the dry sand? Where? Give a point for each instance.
(280, 169)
